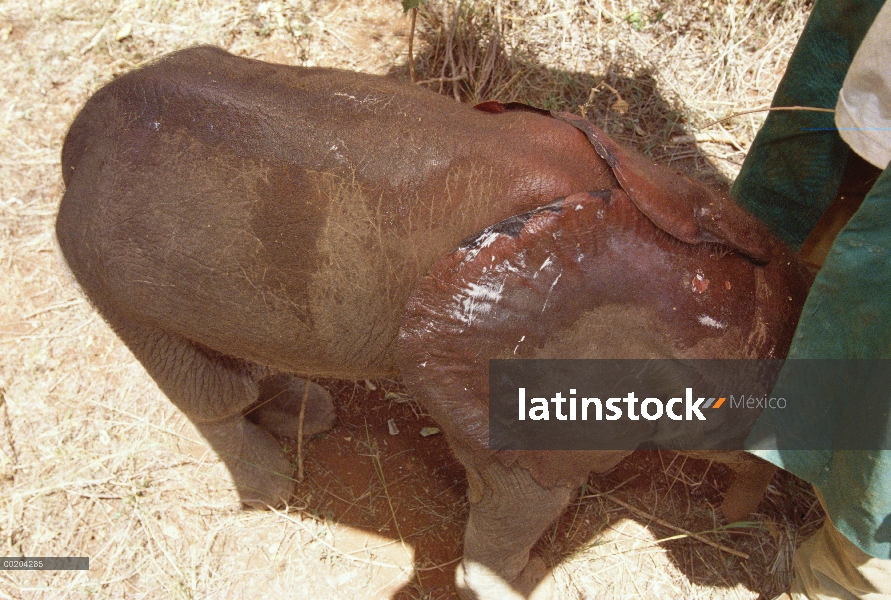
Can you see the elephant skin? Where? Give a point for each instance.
(241, 225)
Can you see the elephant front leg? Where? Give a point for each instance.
(749, 486)
(509, 511)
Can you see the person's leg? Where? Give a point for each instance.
(828, 566)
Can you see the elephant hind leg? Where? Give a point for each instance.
(260, 470)
(280, 401)
(509, 511)
(213, 391)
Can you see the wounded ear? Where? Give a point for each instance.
(686, 210)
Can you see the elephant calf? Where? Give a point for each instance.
(242, 224)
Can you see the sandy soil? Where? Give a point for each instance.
(94, 461)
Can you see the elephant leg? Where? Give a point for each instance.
(259, 468)
(281, 398)
(509, 511)
(748, 488)
(213, 391)
(751, 478)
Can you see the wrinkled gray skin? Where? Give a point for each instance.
(240, 224)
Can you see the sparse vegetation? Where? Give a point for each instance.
(94, 461)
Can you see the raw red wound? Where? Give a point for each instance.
(524, 282)
(495, 107)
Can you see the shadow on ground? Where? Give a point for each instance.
(407, 486)
(464, 57)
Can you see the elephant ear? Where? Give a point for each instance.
(687, 210)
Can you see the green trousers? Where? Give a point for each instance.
(790, 176)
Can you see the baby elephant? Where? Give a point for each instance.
(241, 224)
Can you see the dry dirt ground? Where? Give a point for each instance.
(95, 462)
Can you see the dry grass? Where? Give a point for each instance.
(667, 68)
(94, 461)
(635, 529)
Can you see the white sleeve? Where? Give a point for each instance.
(863, 112)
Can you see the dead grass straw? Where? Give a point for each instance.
(94, 461)
(300, 421)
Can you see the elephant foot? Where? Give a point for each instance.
(509, 510)
(475, 581)
(278, 409)
(260, 470)
(752, 475)
(748, 489)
